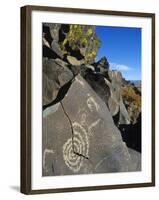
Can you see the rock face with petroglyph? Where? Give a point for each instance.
(80, 137)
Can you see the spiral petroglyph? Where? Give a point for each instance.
(76, 146)
(72, 160)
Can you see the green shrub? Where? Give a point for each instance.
(83, 38)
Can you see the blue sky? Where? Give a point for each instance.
(122, 48)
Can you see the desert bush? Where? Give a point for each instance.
(83, 38)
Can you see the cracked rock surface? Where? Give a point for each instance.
(80, 137)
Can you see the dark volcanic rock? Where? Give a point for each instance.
(135, 160)
(56, 48)
(107, 84)
(50, 40)
(48, 52)
(115, 77)
(115, 102)
(102, 66)
(55, 75)
(52, 29)
(131, 134)
(113, 161)
(46, 34)
(53, 34)
(123, 114)
(79, 135)
(74, 61)
(97, 82)
(73, 52)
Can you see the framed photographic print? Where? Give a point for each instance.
(87, 99)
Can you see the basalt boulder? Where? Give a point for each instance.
(102, 66)
(108, 85)
(55, 75)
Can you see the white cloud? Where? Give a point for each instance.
(119, 67)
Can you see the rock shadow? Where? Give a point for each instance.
(131, 134)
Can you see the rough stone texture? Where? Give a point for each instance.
(132, 134)
(114, 159)
(54, 30)
(135, 160)
(56, 48)
(73, 61)
(107, 84)
(102, 66)
(115, 77)
(97, 82)
(115, 102)
(115, 90)
(50, 89)
(54, 35)
(55, 75)
(91, 67)
(123, 115)
(46, 43)
(95, 144)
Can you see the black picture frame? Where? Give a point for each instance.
(26, 107)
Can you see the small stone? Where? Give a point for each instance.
(73, 61)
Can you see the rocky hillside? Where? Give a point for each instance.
(88, 109)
